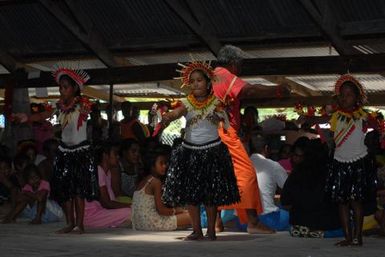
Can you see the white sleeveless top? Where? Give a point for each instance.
(144, 213)
(354, 147)
(72, 135)
(201, 125)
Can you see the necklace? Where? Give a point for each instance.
(198, 105)
(67, 108)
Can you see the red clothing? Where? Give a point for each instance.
(223, 79)
(243, 167)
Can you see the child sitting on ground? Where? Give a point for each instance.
(148, 210)
(33, 200)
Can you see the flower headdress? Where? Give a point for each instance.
(79, 76)
(189, 68)
(349, 78)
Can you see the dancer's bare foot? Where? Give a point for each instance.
(211, 236)
(65, 230)
(260, 228)
(35, 221)
(194, 236)
(77, 230)
(343, 243)
(357, 242)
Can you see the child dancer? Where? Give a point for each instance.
(352, 177)
(201, 171)
(74, 176)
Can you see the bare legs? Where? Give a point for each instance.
(76, 204)
(197, 233)
(196, 223)
(353, 232)
(344, 213)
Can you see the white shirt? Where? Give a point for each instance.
(270, 174)
(71, 135)
(354, 147)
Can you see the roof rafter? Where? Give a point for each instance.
(294, 86)
(197, 22)
(373, 63)
(86, 33)
(323, 17)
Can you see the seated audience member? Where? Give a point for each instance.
(28, 148)
(33, 201)
(130, 164)
(46, 166)
(311, 215)
(8, 189)
(148, 210)
(106, 212)
(284, 156)
(270, 175)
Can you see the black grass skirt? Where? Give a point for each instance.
(201, 174)
(75, 173)
(355, 181)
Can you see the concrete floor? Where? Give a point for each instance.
(23, 239)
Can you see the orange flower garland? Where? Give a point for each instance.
(200, 104)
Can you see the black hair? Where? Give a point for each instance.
(258, 143)
(126, 145)
(251, 109)
(355, 89)
(29, 170)
(104, 147)
(21, 160)
(72, 83)
(6, 160)
(150, 162)
(48, 143)
(313, 168)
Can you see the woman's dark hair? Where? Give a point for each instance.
(72, 83)
(29, 170)
(104, 147)
(313, 168)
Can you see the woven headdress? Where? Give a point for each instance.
(189, 68)
(349, 78)
(79, 76)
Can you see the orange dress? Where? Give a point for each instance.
(243, 167)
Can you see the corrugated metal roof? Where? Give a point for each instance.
(325, 83)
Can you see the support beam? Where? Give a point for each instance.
(291, 66)
(374, 100)
(87, 34)
(100, 94)
(295, 87)
(8, 61)
(194, 18)
(322, 15)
